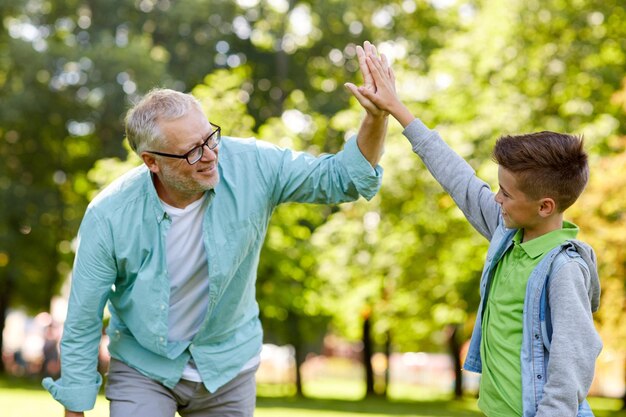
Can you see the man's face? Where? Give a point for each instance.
(518, 210)
(177, 176)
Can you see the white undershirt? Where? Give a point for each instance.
(189, 278)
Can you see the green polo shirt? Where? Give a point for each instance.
(501, 381)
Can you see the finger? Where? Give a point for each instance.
(385, 63)
(366, 94)
(351, 88)
(375, 66)
(359, 94)
(365, 71)
(379, 63)
(388, 71)
(359, 51)
(368, 47)
(373, 50)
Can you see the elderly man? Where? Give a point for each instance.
(173, 247)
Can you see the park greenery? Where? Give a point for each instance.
(405, 266)
(26, 399)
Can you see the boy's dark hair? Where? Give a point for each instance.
(545, 164)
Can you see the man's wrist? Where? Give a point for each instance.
(380, 116)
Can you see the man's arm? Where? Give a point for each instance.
(93, 275)
(371, 137)
(330, 179)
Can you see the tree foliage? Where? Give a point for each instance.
(274, 70)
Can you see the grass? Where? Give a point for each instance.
(26, 398)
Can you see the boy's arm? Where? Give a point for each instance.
(575, 343)
(473, 196)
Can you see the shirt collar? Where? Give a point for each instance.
(155, 201)
(545, 243)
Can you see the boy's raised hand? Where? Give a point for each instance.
(368, 80)
(384, 96)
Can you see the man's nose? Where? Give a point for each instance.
(209, 154)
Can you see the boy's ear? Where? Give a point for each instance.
(547, 207)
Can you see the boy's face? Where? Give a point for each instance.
(518, 210)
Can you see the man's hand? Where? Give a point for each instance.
(368, 80)
(384, 97)
(69, 413)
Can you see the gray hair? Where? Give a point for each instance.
(142, 120)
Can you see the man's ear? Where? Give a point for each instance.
(150, 162)
(547, 207)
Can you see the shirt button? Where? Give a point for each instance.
(162, 307)
(538, 376)
(537, 336)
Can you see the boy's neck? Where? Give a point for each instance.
(550, 224)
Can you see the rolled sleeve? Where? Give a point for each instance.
(92, 277)
(366, 179)
(74, 398)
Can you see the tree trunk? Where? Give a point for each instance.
(388, 367)
(624, 397)
(6, 290)
(455, 351)
(367, 355)
(282, 65)
(294, 324)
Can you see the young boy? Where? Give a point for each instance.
(534, 340)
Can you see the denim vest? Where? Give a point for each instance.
(537, 330)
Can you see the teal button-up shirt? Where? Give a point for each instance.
(121, 260)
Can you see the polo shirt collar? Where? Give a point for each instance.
(545, 243)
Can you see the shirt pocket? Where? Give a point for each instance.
(242, 239)
(233, 246)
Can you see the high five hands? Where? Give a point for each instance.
(372, 66)
(378, 94)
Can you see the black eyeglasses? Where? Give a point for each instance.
(195, 154)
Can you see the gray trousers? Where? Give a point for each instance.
(132, 394)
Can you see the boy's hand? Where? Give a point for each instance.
(368, 81)
(69, 413)
(385, 96)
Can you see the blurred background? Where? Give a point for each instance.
(358, 300)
